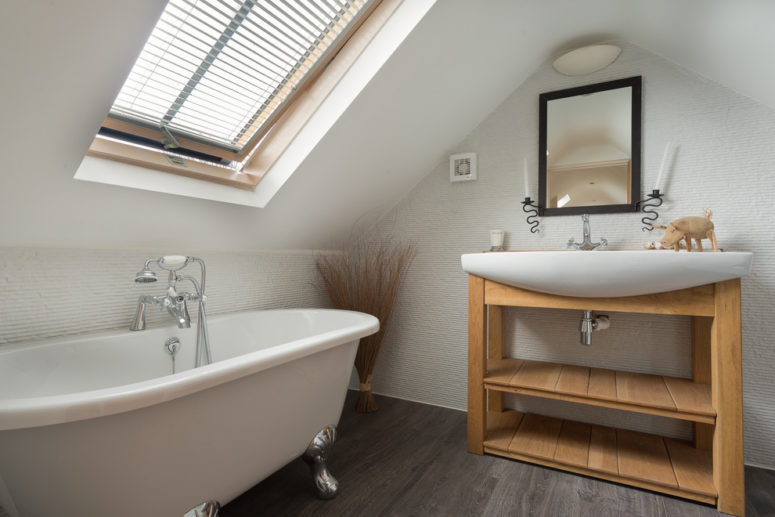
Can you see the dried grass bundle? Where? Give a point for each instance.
(366, 279)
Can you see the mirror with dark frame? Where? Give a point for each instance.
(589, 149)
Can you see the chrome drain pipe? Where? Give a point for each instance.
(590, 323)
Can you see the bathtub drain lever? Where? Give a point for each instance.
(172, 345)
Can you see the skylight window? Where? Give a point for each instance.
(222, 88)
(221, 72)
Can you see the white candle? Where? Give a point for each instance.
(527, 185)
(662, 167)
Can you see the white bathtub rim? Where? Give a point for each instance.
(19, 413)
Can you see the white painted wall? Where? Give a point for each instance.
(724, 160)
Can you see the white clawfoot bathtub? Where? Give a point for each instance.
(98, 425)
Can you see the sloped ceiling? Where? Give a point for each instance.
(62, 63)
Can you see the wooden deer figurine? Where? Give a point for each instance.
(688, 228)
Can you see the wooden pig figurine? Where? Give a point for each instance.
(689, 228)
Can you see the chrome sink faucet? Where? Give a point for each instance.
(587, 244)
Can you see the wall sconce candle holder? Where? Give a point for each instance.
(648, 206)
(531, 219)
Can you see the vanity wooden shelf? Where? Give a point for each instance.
(639, 459)
(709, 470)
(653, 394)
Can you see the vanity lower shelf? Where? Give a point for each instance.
(643, 460)
(652, 394)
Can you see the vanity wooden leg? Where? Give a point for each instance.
(727, 393)
(701, 372)
(477, 363)
(495, 350)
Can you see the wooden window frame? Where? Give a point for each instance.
(277, 137)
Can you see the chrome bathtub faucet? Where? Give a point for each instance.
(587, 244)
(138, 323)
(176, 302)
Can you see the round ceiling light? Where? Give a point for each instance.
(586, 60)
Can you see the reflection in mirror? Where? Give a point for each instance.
(590, 149)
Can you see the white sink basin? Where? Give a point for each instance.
(599, 274)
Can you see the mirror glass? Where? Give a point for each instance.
(589, 156)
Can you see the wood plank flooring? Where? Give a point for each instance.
(410, 459)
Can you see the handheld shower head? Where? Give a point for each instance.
(173, 262)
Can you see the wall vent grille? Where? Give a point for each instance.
(462, 167)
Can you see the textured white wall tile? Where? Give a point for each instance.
(53, 292)
(724, 160)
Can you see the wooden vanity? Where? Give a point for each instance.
(709, 469)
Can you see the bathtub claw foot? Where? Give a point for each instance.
(316, 456)
(207, 509)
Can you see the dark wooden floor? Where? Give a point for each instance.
(410, 459)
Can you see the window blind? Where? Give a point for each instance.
(220, 72)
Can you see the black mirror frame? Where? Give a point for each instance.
(543, 99)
